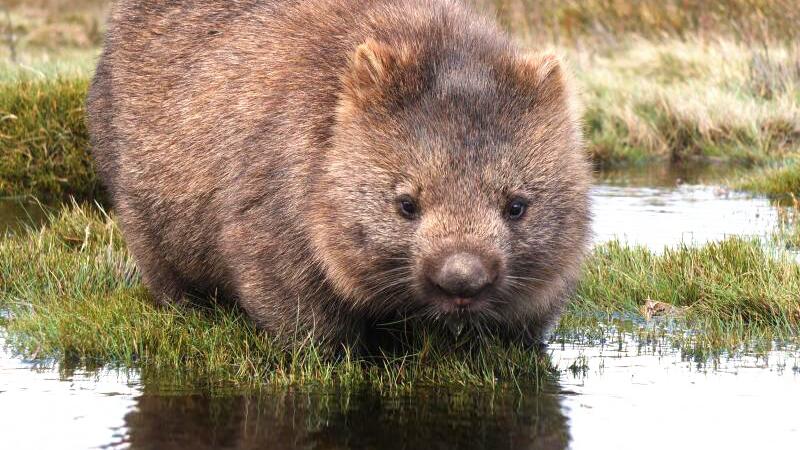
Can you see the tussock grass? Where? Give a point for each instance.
(674, 101)
(606, 20)
(781, 182)
(737, 283)
(73, 292)
(681, 101)
(788, 233)
(43, 139)
(551, 20)
(663, 81)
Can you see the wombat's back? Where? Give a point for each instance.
(194, 117)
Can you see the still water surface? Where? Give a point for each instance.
(617, 393)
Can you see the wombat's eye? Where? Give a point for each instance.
(408, 208)
(516, 209)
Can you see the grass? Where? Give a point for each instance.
(43, 139)
(574, 21)
(678, 101)
(550, 20)
(664, 82)
(788, 233)
(669, 81)
(73, 293)
(735, 281)
(781, 182)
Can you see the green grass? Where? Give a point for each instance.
(730, 296)
(734, 280)
(663, 82)
(728, 289)
(781, 182)
(43, 140)
(73, 293)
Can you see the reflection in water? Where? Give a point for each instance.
(52, 409)
(630, 394)
(667, 175)
(429, 419)
(611, 394)
(691, 214)
(620, 390)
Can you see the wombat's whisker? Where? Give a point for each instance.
(523, 279)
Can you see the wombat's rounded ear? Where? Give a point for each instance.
(542, 77)
(374, 67)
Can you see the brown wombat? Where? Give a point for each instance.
(332, 165)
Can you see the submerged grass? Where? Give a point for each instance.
(73, 293)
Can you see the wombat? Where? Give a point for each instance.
(332, 165)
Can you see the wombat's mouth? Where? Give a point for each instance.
(459, 305)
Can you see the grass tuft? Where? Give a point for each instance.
(688, 100)
(43, 140)
(781, 182)
(735, 283)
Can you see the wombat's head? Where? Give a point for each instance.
(456, 185)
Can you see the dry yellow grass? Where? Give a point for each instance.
(684, 99)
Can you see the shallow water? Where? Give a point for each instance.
(17, 213)
(622, 393)
(691, 214)
(658, 207)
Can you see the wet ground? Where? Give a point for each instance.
(618, 390)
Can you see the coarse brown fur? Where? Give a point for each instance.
(259, 149)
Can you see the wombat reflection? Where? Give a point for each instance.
(333, 165)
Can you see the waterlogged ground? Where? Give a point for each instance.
(628, 393)
(635, 388)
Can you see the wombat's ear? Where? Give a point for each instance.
(542, 78)
(375, 69)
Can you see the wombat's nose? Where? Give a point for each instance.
(462, 275)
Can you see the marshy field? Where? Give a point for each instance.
(684, 331)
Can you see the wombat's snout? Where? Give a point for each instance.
(463, 276)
